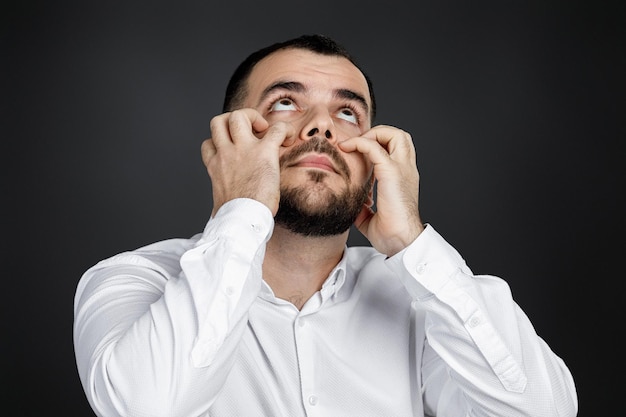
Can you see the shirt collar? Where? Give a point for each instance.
(330, 288)
(336, 279)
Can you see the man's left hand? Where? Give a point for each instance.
(396, 222)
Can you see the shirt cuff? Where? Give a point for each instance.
(240, 217)
(427, 264)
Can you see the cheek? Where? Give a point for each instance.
(348, 130)
(360, 167)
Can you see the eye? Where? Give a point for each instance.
(348, 115)
(283, 104)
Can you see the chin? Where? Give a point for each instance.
(315, 199)
(317, 210)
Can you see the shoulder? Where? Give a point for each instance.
(374, 282)
(360, 255)
(367, 263)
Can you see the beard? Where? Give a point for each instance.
(332, 215)
(314, 209)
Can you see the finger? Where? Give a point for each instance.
(397, 142)
(280, 134)
(246, 124)
(220, 135)
(242, 123)
(372, 149)
(207, 150)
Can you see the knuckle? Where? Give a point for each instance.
(207, 147)
(216, 121)
(237, 113)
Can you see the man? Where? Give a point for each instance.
(268, 313)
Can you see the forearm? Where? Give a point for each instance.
(152, 340)
(481, 350)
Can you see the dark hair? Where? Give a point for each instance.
(237, 89)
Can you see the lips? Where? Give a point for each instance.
(315, 161)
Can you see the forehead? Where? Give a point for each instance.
(316, 71)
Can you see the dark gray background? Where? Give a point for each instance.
(516, 109)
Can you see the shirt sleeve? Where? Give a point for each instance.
(155, 328)
(481, 354)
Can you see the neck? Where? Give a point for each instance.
(296, 266)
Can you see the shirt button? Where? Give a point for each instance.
(256, 228)
(229, 291)
(474, 321)
(301, 322)
(313, 400)
(421, 268)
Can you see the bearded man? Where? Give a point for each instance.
(267, 312)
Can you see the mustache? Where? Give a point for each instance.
(318, 145)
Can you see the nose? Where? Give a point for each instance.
(315, 130)
(319, 123)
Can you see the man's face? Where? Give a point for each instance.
(326, 99)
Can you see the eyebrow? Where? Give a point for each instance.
(282, 85)
(353, 96)
(297, 87)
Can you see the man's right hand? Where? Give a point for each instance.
(241, 157)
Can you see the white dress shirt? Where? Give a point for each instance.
(188, 327)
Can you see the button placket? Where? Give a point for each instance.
(305, 348)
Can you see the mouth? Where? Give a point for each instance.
(315, 161)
